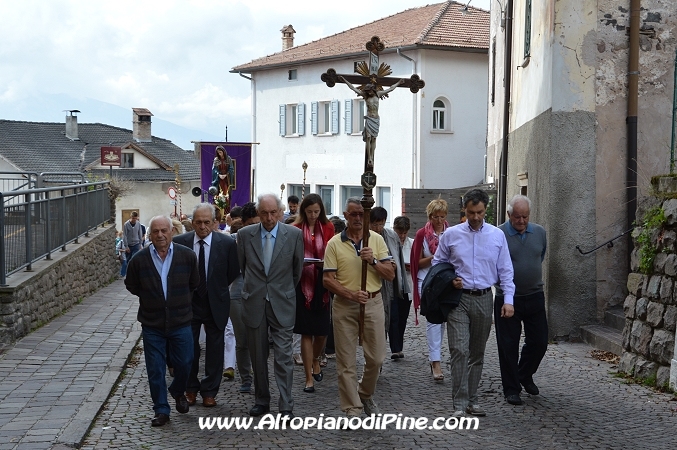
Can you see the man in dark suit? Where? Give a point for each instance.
(218, 267)
(164, 276)
(271, 258)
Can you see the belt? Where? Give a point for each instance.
(476, 292)
(373, 294)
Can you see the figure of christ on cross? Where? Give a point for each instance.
(372, 121)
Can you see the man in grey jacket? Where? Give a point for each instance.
(396, 301)
(132, 239)
(271, 261)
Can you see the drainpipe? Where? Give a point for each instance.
(414, 128)
(631, 121)
(674, 118)
(253, 173)
(507, 74)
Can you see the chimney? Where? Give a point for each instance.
(141, 121)
(72, 125)
(287, 37)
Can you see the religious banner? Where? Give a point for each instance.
(228, 170)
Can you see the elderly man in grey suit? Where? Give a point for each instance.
(271, 260)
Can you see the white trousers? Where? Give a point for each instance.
(435, 335)
(229, 347)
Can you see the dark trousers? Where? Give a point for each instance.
(399, 313)
(516, 369)
(329, 348)
(155, 343)
(133, 249)
(210, 383)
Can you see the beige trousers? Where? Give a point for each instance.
(346, 316)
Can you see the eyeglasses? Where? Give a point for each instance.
(355, 214)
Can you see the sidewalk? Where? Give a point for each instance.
(54, 381)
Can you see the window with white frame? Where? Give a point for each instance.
(383, 200)
(326, 193)
(350, 191)
(292, 118)
(292, 75)
(296, 189)
(127, 161)
(441, 120)
(324, 117)
(354, 116)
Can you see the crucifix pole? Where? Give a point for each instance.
(373, 76)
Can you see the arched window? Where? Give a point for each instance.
(439, 115)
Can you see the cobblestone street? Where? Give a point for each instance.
(56, 379)
(582, 406)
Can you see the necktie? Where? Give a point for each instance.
(267, 252)
(202, 287)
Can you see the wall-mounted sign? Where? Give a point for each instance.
(111, 156)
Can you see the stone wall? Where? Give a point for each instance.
(651, 305)
(33, 298)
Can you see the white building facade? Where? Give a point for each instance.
(433, 139)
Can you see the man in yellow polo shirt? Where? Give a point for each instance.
(342, 276)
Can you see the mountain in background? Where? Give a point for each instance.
(50, 108)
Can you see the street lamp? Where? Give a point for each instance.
(304, 166)
(281, 190)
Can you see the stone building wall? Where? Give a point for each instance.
(33, 298)
(651, 305)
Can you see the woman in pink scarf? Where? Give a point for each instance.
(312, 299)
(425, 244)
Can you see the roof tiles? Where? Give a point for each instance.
(43, 147)
(441, 25)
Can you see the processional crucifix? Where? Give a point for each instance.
(372, 78)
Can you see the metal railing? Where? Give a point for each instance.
(608, 244)
(36, 222)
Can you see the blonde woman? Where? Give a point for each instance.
(422, 252)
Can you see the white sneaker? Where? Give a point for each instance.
(370, 407)
(458, 414)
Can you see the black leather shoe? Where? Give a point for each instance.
(288, 414)
(182, 404)
(259, 410)
(514, 399)
(309, 389)
(531, 388)
(318, 376)
(159, 420)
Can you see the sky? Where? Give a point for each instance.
(104, 57)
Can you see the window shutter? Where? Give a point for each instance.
(301, 113)
(283, 125)
(313, 118)
(349, 116)
(334, 117)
